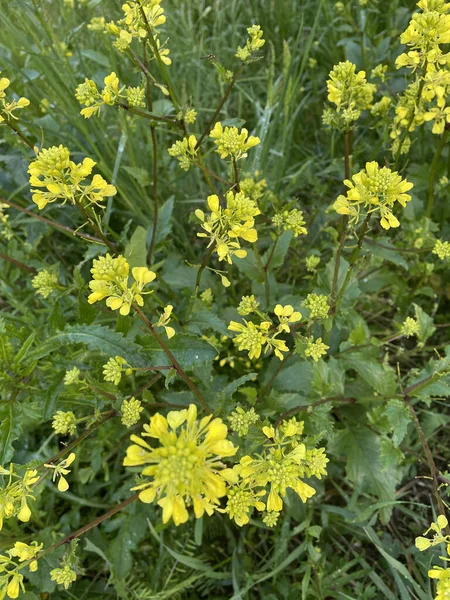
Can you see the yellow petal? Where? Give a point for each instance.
(63, 486)
(274, 502)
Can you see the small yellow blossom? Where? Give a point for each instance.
(231, 143)
(270, 518)
(14, 496)
(61, 470)
(312, 262)
(186, 468)
(164, 320)
(286, 315)
(25, 552)
(72, 376)
(7, 108)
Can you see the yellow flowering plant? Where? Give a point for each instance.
(240, 266)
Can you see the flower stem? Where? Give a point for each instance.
(173, 360)
(344, 222)
(433, 172)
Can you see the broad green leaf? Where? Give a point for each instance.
(136, 249)
(426, 327)
(10, 429)
(188, 350)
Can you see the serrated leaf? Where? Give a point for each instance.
(398, 416)
(95, 337)
(380, 377)
(231, 388)
(361, 448)
(426, 327)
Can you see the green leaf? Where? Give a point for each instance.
(426, 327)
(380, 377)
(203, 320)
(140, 175)
(136, 249)
(398, 416)
(10, 429)
(164, 220)
(279, 254)
(231, 388)
(188, 350)
(361, 448)
(95, 337)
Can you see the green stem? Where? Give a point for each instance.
(173, 360)
(344, 223)
(433, 172)
(353, 260)
(213, 119)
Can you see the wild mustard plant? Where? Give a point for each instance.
(376, 190)
(7, 108)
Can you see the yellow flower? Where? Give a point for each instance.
(61, 470)
(186, 467)
(282, 465)
(26, 552)
(254, 43)
(231, 143)
(251, 337)
(164, 320)
(286, 315)
(14, 586)
(291, 220)
(317, 305)
(439, 116)
(442, 249)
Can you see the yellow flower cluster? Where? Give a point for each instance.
(425, 99)
(290, 220)
(283, 463)
(14, 496)
(231, 143)
(186, 468)
(254, 43)
(93, 99)
(7, 108)
(410, 327)
(252, 187)
(11, 580)
(240, 420)
(253, 337)
(45, 283)
(375, 189)
(131, 411)
(439, 537)
(64, 423)
(247, 305)
(141, 19)
(442, 249)
(350, 92)
(185, 151)
(224, 226)
(62, 179)
(309, 347)
(110, 281)
(113, 369)
(63, 575)
(317, 305)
